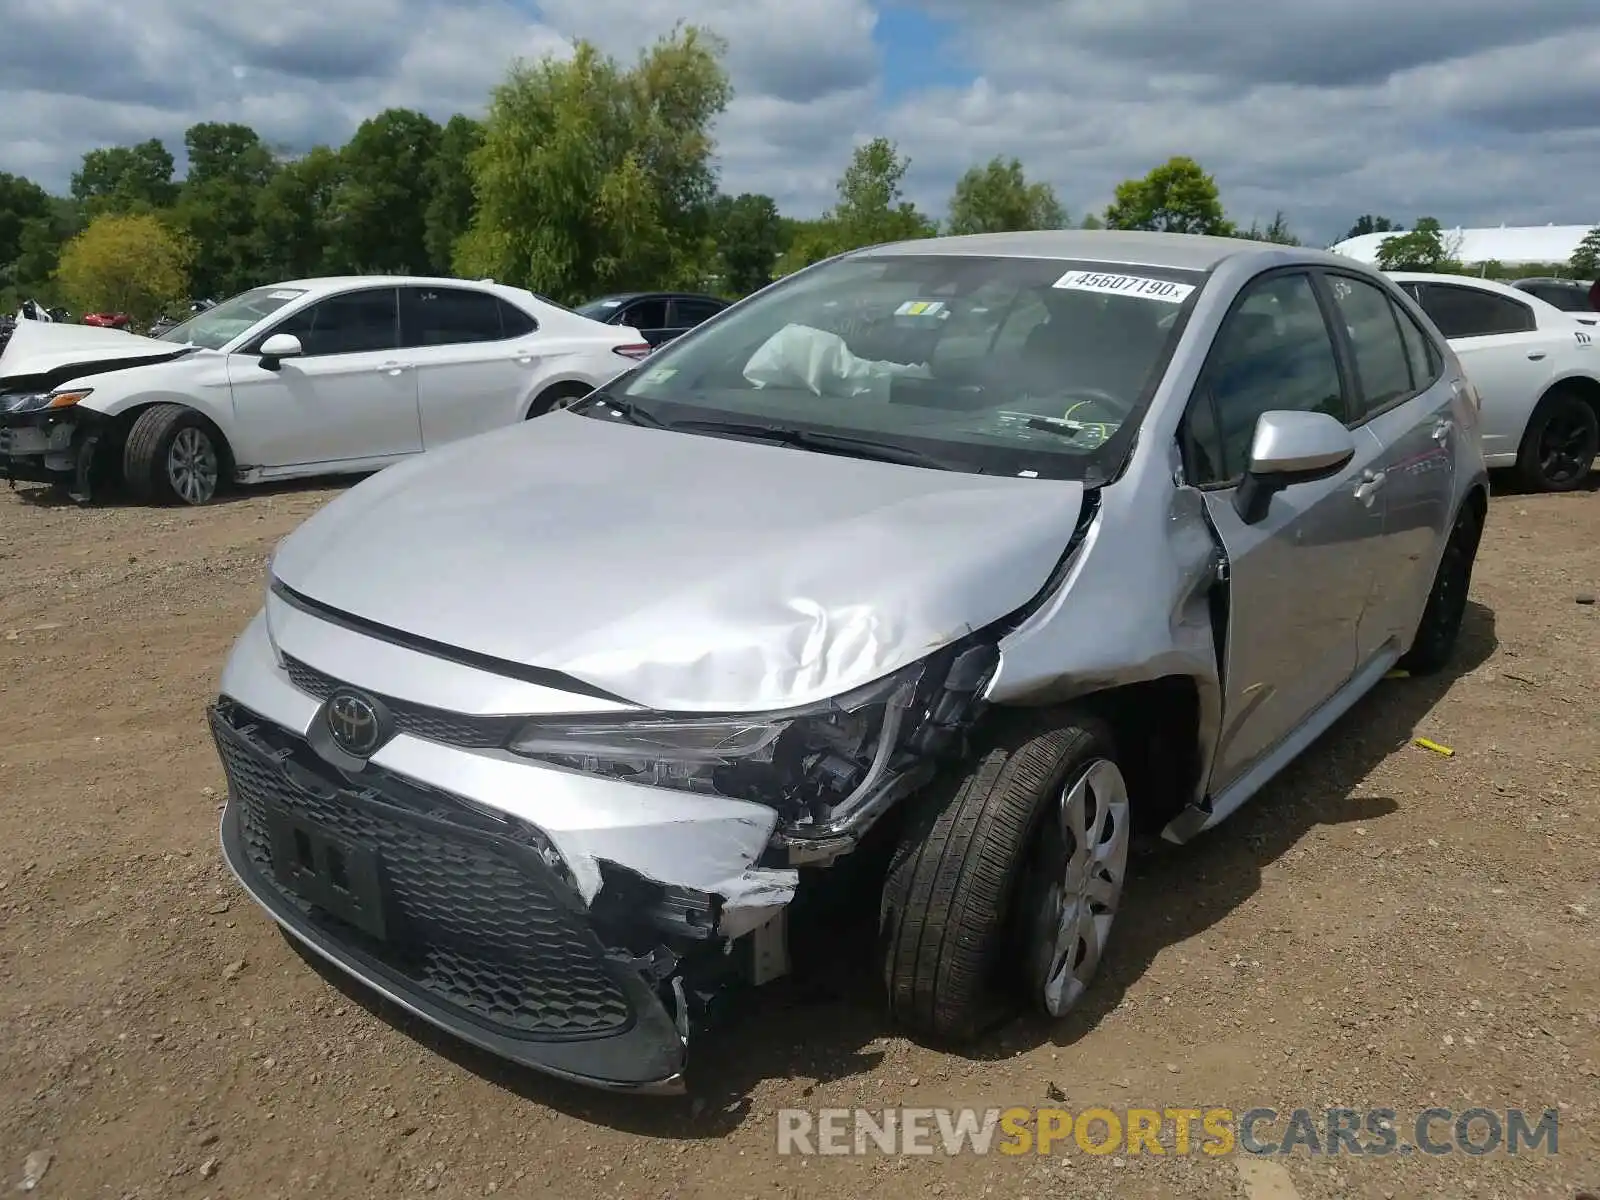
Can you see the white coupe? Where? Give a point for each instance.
(311, 377)
(1536, 370)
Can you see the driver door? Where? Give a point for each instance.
(351, 397)
(1299, 578)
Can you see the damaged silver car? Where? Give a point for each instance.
(991, 548)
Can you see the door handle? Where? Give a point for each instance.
(394, 368)
(1441, 431)
(524, 359)
(1367, 489)
(1536, 355)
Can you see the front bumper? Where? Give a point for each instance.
(478, 935)
(48, 446)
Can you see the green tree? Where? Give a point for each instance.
(593, 177)
(1424, 248)
(871, 209)
(450, 199)
(1091, 221)
(807, 242)
(380, 210)
(21, 201)
(133, 263)
(1176, 197)
(750, 236)
(1586, 258)
(1277, 230)
(229, 166)
(125, 179)
(998, 197)
(295, 214)
(1367, 223)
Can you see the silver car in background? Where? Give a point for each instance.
(990, 548)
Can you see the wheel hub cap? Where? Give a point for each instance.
(1093, 815)
(192, 466)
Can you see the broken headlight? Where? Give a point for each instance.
(801, 761)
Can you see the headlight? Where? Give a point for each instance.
(795, 760)
(67, 398)
(23, 401)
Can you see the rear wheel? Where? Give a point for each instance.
(1440, 627)
(1560, 444)
(1006, 884)
(172, 455)
(561, 395)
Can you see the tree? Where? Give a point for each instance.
(1586, 258)
(132, 263)
(870, 208)
(593, 177)
(450, 198)
(1276, 231)
(1367, 223)
(750, 236)
(998, 197)
(1091, 221)
(295, 213)
(125, 179)
(1423, 249)
(807, 242)
(1176, 197)
(229, 166)
(21, 201)
(380, 208)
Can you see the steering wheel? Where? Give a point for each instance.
(1116, 408)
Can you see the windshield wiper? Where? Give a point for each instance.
(826, 443)
(635, 414)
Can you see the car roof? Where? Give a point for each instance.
(1181, 251)
(620, 297)
(339, 283)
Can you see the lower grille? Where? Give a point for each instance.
(473, 920)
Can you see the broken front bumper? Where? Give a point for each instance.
(560, 921)
(47, 446)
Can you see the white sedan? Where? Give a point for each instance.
(310, 377)
(1535, 368)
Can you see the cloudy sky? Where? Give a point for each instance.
(1475, 111)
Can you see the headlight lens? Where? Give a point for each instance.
(792, 760)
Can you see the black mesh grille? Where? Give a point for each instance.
(471, 922)
(419, 720)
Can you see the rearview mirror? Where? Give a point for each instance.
(1287, 448)
(277, 347)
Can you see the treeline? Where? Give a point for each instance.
(585, 175)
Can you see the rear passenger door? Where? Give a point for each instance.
(649, 317)
(474, 358)
(1299, 578)
(1402, 394)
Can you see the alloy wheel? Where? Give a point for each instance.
(192, 466)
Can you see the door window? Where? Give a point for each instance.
(1376, 340)
(688, 313)
(515, 323)
(1462, 312)
(1421, 352)
(646, 314)
(1273, 352)
(450, 317)
(354, 323)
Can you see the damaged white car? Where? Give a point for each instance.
(993, 546)
(310, 377)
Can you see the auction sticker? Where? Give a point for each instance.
(1125, 285)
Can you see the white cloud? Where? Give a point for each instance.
(1471, 110)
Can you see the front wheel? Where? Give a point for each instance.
(1440, 627)
(1005, 888)
(561, 395)
(1560, 444)
(172, 455)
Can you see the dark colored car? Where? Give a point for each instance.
(1569, 295)
(658, 316)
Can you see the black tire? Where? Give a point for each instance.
(161, 436)
(560, 395)
(954, 930)
(1440, 628)
(1559, 446)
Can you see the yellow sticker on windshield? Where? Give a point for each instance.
(1125, 285)
(920, 308)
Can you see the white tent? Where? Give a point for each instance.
(1514, 246)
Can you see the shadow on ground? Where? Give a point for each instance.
(820, 1026)
(49, 496)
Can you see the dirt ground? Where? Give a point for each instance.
(1385, 927)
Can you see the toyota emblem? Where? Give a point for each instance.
(355, 722)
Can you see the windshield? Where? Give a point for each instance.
(599, 310)
(1002, 365)
(216, 327)
(1566, 298)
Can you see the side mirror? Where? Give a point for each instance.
(1289, 448)
(278, 347)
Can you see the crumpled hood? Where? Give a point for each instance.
(677, 571)
(55, 352)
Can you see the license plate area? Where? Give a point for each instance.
(342, 878)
